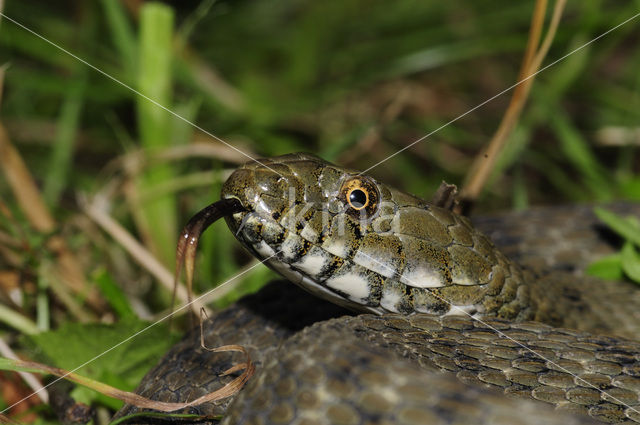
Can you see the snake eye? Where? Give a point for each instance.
(361, 195)
(358, 199)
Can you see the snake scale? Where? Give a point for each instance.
(448, 329)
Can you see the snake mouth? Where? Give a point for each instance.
(195, 227)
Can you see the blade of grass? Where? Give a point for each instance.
(190, 22)
(60, 160)
(17, 321)
(607, 268)
(533, 57)
(578, 152)
(121, 33)
(556, 175)
(12, 37)
(631, 188)
(63, 143)
(30, 379)
(630, 262)
(520, 195)
(193, 71)
(186, 181)
(157, 218)
(42, 300)
(3, 69)
(625, 227)
(113, 293)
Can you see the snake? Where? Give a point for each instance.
(403, 312)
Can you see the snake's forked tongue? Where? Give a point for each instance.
(190, 236)
(185, 255)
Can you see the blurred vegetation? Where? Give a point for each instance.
(350, 80)
(626, 263)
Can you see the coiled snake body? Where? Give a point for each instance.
(440, 297)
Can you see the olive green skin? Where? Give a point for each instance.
(400, 255)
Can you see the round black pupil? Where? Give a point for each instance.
(358, 198)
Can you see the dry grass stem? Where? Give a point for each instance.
(484, 162)
(66, 296)
(202, 146)
(29, 378)
(137, 251)
(212, 83)
(137, 400)
(247, 366)
(618, 136)
(32, 204)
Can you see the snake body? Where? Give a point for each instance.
(440, 297)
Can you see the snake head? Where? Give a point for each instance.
(308, 200)
(274, 187)
(356, 242)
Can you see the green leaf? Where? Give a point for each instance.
(123, 366)
(607, 268)
(113, 293)
(627, 227)
(631, 188)
(631, 262)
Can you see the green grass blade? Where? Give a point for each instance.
(113, 294)
(17, 321)
(607, 268)
(158, 216)
(122, 33)
(63, 144)
(625, 227)
(577, 151)
(631, 262)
